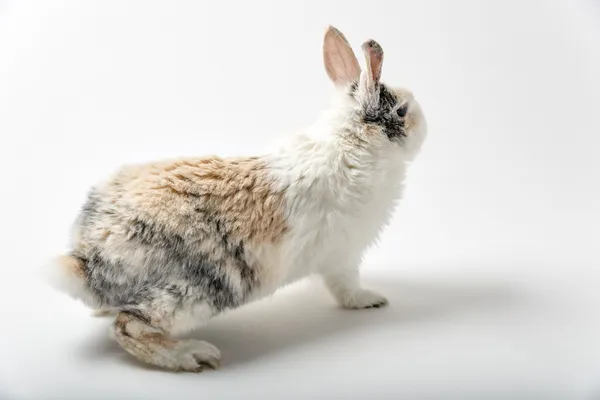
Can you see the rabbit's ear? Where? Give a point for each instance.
(374, 61)
(340, 62)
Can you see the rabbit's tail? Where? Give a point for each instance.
(68, 275)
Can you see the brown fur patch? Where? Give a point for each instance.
(133, 343)
(144, 336)
(181, 195)
(72, 266)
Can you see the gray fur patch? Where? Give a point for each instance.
(386, 113)
(177, 267)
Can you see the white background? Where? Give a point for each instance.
(491, 263)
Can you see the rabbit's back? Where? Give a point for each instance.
(179, 229)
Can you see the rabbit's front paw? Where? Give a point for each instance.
(363, 299)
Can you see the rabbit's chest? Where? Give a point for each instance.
(327, 234)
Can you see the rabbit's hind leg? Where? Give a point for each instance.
(148, 339)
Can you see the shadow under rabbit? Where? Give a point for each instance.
(306, 314)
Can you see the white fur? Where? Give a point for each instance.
(339, 196)
(190, 318)
(63, 280)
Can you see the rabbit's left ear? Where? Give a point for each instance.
(340, 62)
(374, 61)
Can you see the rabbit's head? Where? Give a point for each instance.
(394, 112)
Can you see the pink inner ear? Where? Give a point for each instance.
(374, 58)
(340, 62)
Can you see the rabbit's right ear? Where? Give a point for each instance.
(374, 59)
(340, 62)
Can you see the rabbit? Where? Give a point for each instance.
(165, 246)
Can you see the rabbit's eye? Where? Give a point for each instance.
(402, 111)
